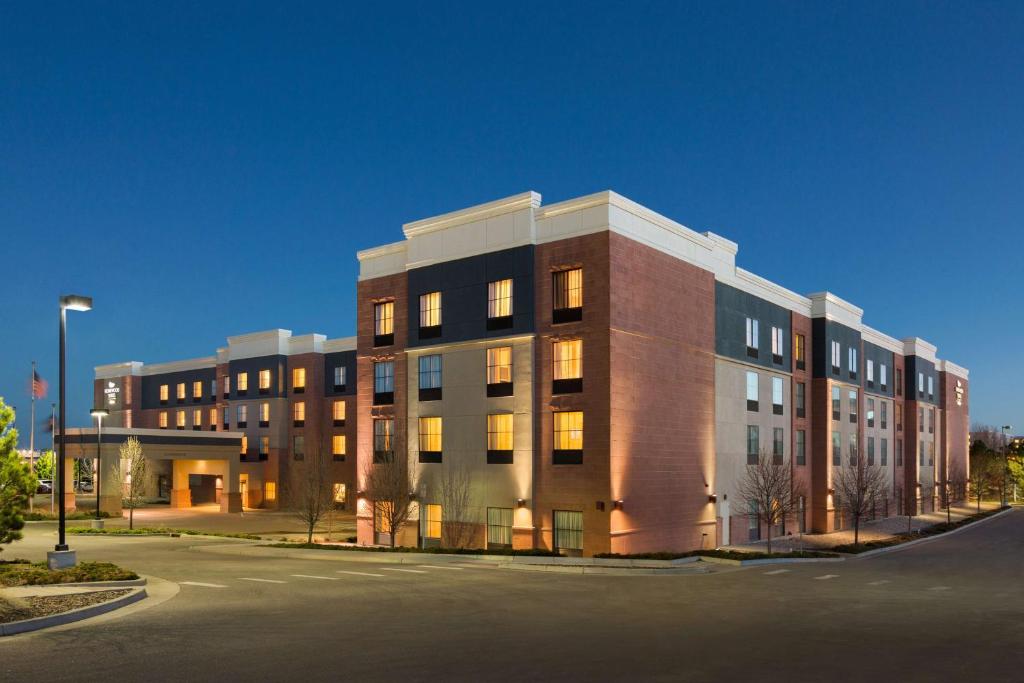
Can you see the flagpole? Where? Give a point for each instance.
(32, 435)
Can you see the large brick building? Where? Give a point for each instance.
(599, 374)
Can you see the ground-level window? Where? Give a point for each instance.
(432, 521)
(340, 493)
(382, 522)
(499, 527)
(568, 530)
(753, 523)
(270, 490)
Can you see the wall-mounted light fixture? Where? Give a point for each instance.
(617, 505)
(831, 491)
(712, 498)
(520, 502)
(412, 495)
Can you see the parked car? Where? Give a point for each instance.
(85, 486)
(44, 486)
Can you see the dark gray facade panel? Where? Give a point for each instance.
(915, 365)
(732, 308)
(463, 287)
(880, 357)
(277, 364)
(824, 332)
(347, 359)
(151, 388)
(169, 440)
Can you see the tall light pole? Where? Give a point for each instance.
(99, 414)
(1006, 461)
(61, 557)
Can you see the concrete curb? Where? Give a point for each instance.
(604, 571)
(917, 541)
(26, 625)
(769, 560)
(128, 583)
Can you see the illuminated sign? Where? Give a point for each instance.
(112, 393)
(959, 393)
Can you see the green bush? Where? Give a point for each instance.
(428, 551)
(144, 531)
(37, 573)
(36, 516)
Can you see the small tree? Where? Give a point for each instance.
(857, 486)
(983, 466)
(452, 487)
(769, 490)
(135, 462)
(17, 482)
(311, 494)
(44, 465)
(390, 486)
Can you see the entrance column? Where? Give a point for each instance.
(110, 482)
(230, 496)
(181, 496)
(69, 484)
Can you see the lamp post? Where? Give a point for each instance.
(99, 414)
(1006, 462)
(62, 557)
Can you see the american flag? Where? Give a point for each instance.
(39, 386)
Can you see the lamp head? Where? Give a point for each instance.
(76, 302)
(99, 412)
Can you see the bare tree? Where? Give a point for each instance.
(983, 468)
(311, 491)
(390, 486)
(452, 487)
(135, 462)
(857, 486)
(769, 490)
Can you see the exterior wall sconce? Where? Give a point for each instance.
(412, 495)
(360, 494)
(831, 491)
(712, 498)
(617, 505)
(520, 502)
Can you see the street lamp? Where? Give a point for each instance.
(99, 414)
(1006, 461)
(61, 556)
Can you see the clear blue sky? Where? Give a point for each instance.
(210, 169)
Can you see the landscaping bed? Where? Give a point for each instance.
(19, 609)
(47, 517)
(427, 551)
(934, 530)
(157, 531)
(25, 573)
(738, 555)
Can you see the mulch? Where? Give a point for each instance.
(45, 605)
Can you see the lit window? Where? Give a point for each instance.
(242, 415)
(197, 417)
(299, 411)
(568, 359)
(163, 393)
(799, 349)
(298, 379)
(568, 530)
(384, 318)
(499, 365)
(777, 387)
(430, 371)
(227, 385)
(499, 299)
(499, 432)
(836, 355)
(567, 289)
(430, 309)
(264, 445)
(179, 419)
(777, 341)
(339, 376)
(181, 391)
(340, 493)
(264, 412)
(753, 334)
(245, 445)
(338, 411)
(197, 389)
(383, 439)
(499, 527)
(569, 430)
(384, 377)
(264, 380)
(213, 418)
(163, 419)
(432, 521)
(753, 444)
(338, 444)
(270, 490)
(242, 382)
(382, 517)
(430, 434)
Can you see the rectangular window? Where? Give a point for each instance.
(298, 447)
(338, 445)
(920, 420)
(836, 357)
(899, 416)
(753, 336)
(227, 385)
(270, 490)
(568, 366)
(430, 439)
(753, 444)
(264, 445)
(777, 341)
(242, 383)
(836, 400)
(931, 453)
(920, 453)
(179, 419)
(430, 312)
(853, 406)
(883, 379)
(499, 302)
(837, 449)
(242, 416)
(181, 392)
(884, 453)
(567, 295)
(752, 391)
(244, 446)
(338, 413)
(568, 530)
(499, 371)
(899, 453)
(778, 444)
(931, 387)
(339, 378)
(383, 324)
(264, 414)
(383, 440)
(871, 450)
(853, 363)
(299, 380)
(430, 377)
(568, 437)
(499, 527)
(340, 494)
(163, 419)
(920, 384)
(225, 417)
(197, 390)
(213, 389)
(777, 395)
(871, 412)
(801, 399)
(432, 521)
(213, 419)
(264, 379)
(383, 382)
(801, 447)
(869, 372)
(163, 394)
(800, 351)
(853, 449)
(197, 419)
(899, 382)
(299, 414)
(884, 406)
(499, 439)
(931, 420)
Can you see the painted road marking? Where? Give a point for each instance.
(777, 571)
(826, 577)
(879, 583)
(248, 578)
(342, 571)
(396, 569)
(310, 576)
(940, 588)
(201, 584)
(438, 566)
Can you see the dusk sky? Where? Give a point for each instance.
(210, 169)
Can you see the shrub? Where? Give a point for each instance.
(533, 552)
(35, 574)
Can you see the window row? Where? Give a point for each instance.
(197, 391)
(242, 416)
(753, 329)
(778, 445)
(180, 419)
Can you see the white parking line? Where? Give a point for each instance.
(249, 578)
(826, 577)
(396, 569)
(310, 576)
(342, 571)
(940, 588)
(776, 571)
(201, 584)
(439, 566)
(879, 583)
